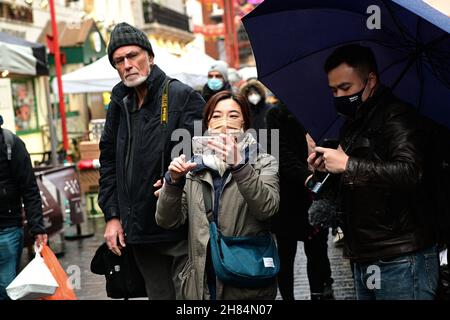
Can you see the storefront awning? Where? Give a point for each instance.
(22, 57)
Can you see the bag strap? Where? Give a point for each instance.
(207, 198)
(9, 141)
(164, 121)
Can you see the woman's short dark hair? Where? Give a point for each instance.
(224, 95)
(356, 56)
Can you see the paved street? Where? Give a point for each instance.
(92, 287)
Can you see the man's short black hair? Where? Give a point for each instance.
(356, 56)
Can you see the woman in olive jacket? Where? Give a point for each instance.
(245, 192)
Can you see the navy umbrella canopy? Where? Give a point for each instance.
(291, 40)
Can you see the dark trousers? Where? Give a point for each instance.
(317, 266)
(160, 265)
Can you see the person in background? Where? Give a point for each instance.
(217, 80)
(255, 93)
(17, 187)
(235, 80)
(291, 223)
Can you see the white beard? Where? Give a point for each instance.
(139, 80)
(135, 82)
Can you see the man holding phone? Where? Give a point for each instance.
(380, 161)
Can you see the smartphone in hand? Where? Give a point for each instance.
(200, 145)
(327, 143)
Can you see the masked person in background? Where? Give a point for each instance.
(243, 184)
(217, 80)
(255, 92)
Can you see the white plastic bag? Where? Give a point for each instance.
(34, 281)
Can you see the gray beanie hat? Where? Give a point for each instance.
(124, 34)
(222, 67)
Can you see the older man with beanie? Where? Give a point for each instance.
(217, 80)
(135, 150)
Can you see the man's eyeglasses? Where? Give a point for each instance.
(131, 56)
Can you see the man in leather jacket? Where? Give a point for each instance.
(380, 162)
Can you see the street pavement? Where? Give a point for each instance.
(78, 254)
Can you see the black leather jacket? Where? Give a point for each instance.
(381, 188)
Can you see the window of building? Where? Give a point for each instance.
(25, 107)
(12, 11)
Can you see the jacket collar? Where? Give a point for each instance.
(380, 93)
(154, 81)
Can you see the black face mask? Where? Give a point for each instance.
(348, 105)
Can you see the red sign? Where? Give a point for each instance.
(210, 30)
(212, 1)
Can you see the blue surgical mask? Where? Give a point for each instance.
(215, 84)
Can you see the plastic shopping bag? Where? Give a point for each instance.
(34, 281)
(65, 290)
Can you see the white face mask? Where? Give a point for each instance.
(254, 98)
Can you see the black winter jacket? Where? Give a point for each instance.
(136, 206)
(385, 213)
(18, 185)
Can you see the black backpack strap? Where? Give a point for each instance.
(208, 201)
(164, 121)
(9, 141)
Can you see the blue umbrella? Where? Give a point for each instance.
(291, 40)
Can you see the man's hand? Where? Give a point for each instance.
(41, 240)
(315, 162)
(113, 231)
(178, 168)
(307, 180)
(332, 160)
(311, 143)
(158, 185)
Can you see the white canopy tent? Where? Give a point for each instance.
(100, 76)
(194, 68)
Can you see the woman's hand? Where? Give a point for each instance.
(226, 149)
(178, 168)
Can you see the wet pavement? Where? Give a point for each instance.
(78, 255)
